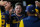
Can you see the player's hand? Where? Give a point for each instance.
(2, 3)
(37, 3)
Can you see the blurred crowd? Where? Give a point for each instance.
(15, 17)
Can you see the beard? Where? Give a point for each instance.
(19, 13)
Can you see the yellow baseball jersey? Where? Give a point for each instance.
(0, 18)
(3, 18)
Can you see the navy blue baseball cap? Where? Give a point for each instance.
(30, 8)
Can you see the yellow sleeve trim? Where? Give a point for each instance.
(21, 24)
(0, 19)
(37, 11)
(7, 25)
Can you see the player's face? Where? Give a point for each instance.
(18, 9)
(7, 5)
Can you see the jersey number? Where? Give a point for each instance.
(3, 20)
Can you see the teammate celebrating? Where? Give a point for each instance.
(31, 20)
(15, 18)
(3, 15)
(8, 9)
(37, 9)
